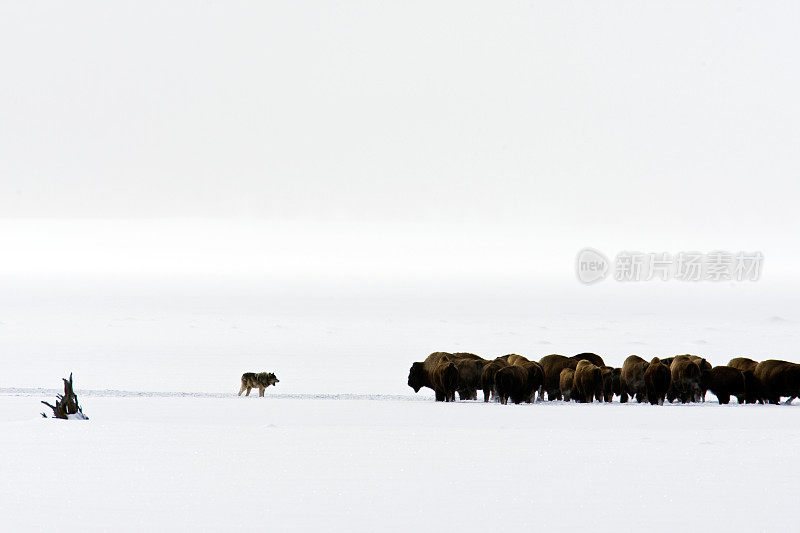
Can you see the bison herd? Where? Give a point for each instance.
(585, 377)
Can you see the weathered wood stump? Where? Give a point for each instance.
(66, 406)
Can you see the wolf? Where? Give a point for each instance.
(260, 381)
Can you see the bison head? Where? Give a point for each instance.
(416, 377)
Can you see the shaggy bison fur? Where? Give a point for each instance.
(686, 377)
(705, 374)
(610, 382)
(432, 374)
(657, 378)
(726, 381)
(778, 379)
(488, 375)
(591, 357)
(469, 376)
(588, 382)
(631, 379)
(512, 383)
(468, 370)
(552, 365)
(743, 364)
(566, 383)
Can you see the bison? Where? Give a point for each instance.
(469, 376)
(725, 381)
(535, 372)
(705, 374)
(631, 379)
(610, 382)
(686, 380)
(445, 380)
(429, 373)
(488, 375)
(778, 379)
(512, 383)
(591, 357)
(657, 378)
(566, 383)
(588, 382)
(743, 364)
(552, 365)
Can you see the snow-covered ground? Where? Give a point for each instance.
(395, 464)
(342, 443)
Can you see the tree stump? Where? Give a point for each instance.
(66, 406)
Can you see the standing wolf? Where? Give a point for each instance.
(260, 381)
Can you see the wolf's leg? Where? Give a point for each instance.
(261, 391)
(241, 390)
(248, 391)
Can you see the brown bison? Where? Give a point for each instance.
(752, 385)
(512, 383)
(588, 382)
(553, 364)
(535, 372)
(705, 374)
(432, 374)
(469, 376)
(725, 381)
(743, 363)
(657, 378)
(488, 374)
(566, 383)
(445, 380)
(610, 382)
(468, 369)
(778, 379)
(591, 357)
(686, 378)
(631, 379)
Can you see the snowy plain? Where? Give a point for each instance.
(157, 343)
(372, 464)
(343, 441)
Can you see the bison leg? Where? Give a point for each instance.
(723, 398)
(623, 396)
(486, 394)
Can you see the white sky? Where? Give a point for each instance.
(657, 126)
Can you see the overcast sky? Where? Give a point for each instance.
(575, 118)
